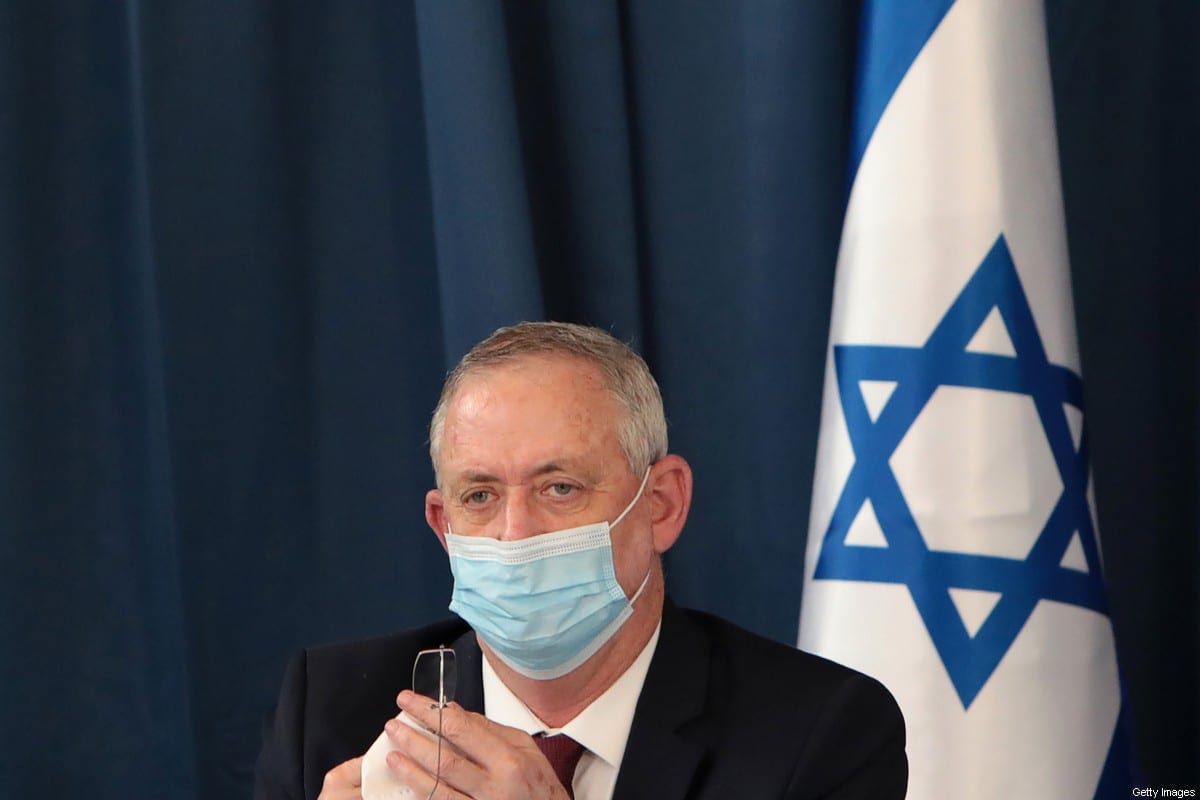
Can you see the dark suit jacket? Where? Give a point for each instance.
(723, 715)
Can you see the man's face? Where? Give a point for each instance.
(531, 447)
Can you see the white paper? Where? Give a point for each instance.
(378, 782)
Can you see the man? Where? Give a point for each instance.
(555, 500)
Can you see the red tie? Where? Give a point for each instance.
(563, 753)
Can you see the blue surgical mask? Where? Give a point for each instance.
(546, 604)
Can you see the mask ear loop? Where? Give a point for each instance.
(632, 502)
(629, 508)
(638, 593)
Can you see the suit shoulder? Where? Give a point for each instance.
(845, 729)
(795, 676)
(770, 654)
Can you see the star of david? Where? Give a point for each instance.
(929, 574)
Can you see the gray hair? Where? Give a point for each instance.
(642, 433)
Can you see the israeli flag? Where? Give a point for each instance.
(952, 546)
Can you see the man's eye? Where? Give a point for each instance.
(561, 489)
(477, 497)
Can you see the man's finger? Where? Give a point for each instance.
(496, 761)
(424, 748)
(473, 734)
(421, 782)
(442, 758)
(347, 772)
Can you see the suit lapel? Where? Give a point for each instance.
(667, 741)
(468, 659)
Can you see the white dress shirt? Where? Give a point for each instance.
(602, 727)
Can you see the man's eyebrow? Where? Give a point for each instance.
(581, 469)
(546, 469)
(478, 477)
(542, 469)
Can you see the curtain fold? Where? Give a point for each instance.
(487, 265)
(94, 629)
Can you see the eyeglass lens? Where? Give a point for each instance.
(435, 674)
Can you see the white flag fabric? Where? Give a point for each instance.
(952, 545)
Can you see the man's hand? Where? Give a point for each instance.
(485, 760)
(343, 782)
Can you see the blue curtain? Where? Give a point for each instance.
(240, 244)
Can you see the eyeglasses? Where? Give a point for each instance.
(435, 675)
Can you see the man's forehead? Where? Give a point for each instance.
(541, 409)
(533, 373)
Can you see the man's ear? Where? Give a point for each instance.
(435, 514)
(670, 491)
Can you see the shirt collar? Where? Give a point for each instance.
(602, 727)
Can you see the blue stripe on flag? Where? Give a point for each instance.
(890, 36)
